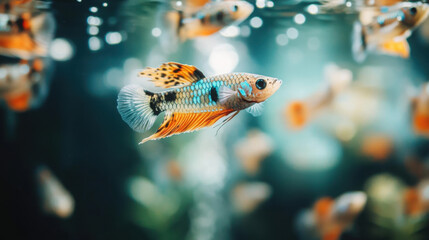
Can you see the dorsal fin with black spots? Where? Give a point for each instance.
(172, 74)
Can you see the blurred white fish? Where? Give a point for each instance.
(54, 197)
(247, 196)
(252, 150)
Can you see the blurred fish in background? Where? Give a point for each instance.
(397, 211)
(54, 197)
(345, 6)
(178, 21)
(204, 18)
(252, 150)
(386, 30)
(24, 85)
(247, 196)
(420, 111)
(330, 217)
(299, 113)
(26, 33)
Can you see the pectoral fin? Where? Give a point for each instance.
(256, 109)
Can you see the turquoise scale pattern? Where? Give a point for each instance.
(196, 98)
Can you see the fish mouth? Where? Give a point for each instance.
(277, 83)
(248, 8)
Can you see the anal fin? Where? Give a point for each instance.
(400, 48)
(176, 123)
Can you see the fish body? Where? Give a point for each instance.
(26, 36)
(193, 101)
(385, 29)
(209, 19)
(23, 85)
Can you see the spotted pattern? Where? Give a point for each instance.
(201, 96)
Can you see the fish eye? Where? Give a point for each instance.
(235, 8)
(260, 84)
(413, 11)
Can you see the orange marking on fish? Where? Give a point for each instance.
(377, 146)
(177, 123)
(297, 114)
(322, 208)
(202, 32)
(421, 123)
(21, 41)
(412, 201)
(413, 204)
(19, 102)
(400, 48)
(38, 65)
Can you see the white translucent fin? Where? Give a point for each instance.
(43, 28)
(133, 105)
(256, 109)
(358, 43)
(225, 93)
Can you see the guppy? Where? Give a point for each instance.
(386, 29)
(193, 101)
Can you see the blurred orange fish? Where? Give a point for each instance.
(209, 18)
(416, 199)
(299, 112)
(329, 218)
(386, 29)
(27, 35)
(23, 85)
(377, 146)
